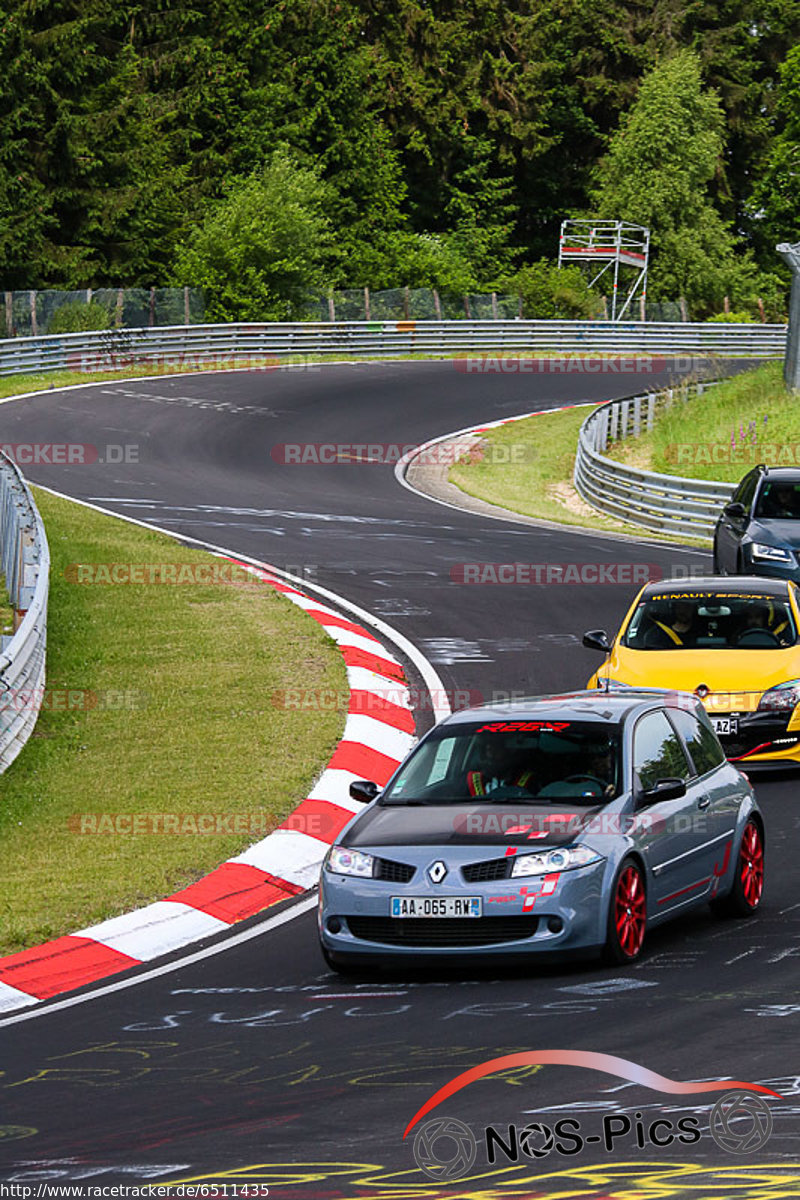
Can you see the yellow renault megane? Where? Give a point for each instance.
(733, 642)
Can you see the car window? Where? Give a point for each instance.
(779, 499)
(657, 752)
(711, 620)
(515, 759)
(747, 489)
(701, 741)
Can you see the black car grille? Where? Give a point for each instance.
(758, 730)
(486, 872)
(450, 931)
(393, 872)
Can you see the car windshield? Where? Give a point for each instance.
(779, 500)
(521, 760)
(706, 620)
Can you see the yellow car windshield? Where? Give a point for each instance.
(700, 620)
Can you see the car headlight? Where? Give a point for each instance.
(771, 553)
(781, 698)
(563, 859)
(342, 861)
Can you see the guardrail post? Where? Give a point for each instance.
(637, 415)
(614, 421)
(623, 432)
(651, 410)
(791, 363)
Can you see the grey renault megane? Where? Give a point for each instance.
(556, 824)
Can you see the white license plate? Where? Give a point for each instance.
(437, 906)
(725, 726)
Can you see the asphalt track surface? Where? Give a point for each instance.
(256, 1065)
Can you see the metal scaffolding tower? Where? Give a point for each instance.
(616, 245)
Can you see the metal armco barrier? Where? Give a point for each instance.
(25, 560)
(664, 503)
(234, 343)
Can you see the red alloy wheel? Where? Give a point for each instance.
(751, 864)
(630, 911)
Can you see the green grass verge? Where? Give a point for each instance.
(528, 469)
(723, 433)
(185, 722)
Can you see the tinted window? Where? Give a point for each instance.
(747, 489)
(514, 759)
(657, 752)
(779, 499)
(702, 743)
(718, 620)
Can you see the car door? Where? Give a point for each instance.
(718, 801)
(667, 830)
(730, 529)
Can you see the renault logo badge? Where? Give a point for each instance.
(437, 871)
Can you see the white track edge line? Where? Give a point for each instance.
(402, 465)
(302, 906)
(433, 683)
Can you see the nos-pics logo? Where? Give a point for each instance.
(446, 1149)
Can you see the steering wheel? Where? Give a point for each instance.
(588, 779)
(758, 637)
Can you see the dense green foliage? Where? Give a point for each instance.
(429, 143)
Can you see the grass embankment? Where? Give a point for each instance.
(160, 700)
(527, 467)
(748, 419)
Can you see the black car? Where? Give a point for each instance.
(758, 531)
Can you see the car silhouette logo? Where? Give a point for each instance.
(437, 871)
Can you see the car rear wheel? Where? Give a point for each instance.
(744, 897)
(627, 915)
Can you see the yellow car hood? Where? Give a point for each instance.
(736, 679)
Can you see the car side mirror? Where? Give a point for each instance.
(363, 790)
(735, 510)
(597, 639)
(664, 789)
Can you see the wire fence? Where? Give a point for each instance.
(31, 313)
(35, 313)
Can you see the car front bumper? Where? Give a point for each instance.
(527, 915)
(763, 737)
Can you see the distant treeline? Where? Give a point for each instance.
(262, 150)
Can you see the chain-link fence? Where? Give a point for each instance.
(411, 304)
(35, 313)
(31, 313)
